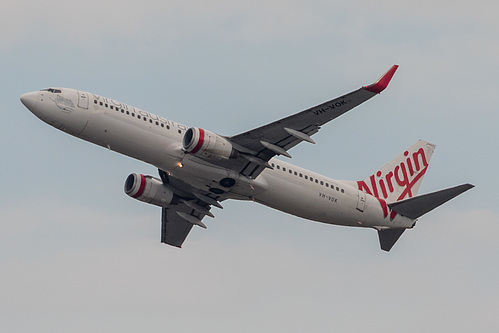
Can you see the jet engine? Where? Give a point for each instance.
(207, 144)
(149, 189)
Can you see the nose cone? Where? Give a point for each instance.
(29, 100)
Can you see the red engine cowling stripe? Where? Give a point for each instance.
(200, 141)
(141, 188)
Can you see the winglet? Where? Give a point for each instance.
(383, 81)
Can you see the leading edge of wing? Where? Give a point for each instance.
(260, 144)
(309, 120)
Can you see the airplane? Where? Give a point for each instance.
(199, 169)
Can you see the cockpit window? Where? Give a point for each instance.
(52, 90)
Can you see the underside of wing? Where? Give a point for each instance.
(189, 209)
(174, 229)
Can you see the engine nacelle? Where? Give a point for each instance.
(207, 144)
(149, 189)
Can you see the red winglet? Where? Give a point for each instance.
(383, 81)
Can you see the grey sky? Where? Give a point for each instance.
(76, 254)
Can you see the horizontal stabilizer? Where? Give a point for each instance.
(388, 237)
(422, 204)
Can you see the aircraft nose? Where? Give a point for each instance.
(29, 100)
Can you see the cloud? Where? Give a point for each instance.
(75, 256)
(105, 277)
(152, 23)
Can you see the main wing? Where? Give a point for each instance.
(176, 223)
(259, 145)
(174, 229)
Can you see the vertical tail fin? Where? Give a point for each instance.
(396, 186)
(402, 177)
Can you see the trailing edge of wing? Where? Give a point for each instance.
(279, 136)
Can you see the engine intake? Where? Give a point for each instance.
(149, 189)
(204, 143)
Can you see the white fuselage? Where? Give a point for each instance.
(158, 141)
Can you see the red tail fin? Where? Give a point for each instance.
(402, 177)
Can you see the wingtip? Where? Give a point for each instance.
(383, 81)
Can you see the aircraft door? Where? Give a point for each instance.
(82, 100)
(361, 203)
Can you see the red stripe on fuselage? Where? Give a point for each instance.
(200, 141)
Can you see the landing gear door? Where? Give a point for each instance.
(361, 203)
(82, 100)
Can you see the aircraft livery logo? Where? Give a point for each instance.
(400, 180)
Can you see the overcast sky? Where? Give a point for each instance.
(77, 254)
